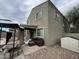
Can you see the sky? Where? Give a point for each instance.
(19, 10)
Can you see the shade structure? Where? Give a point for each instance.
(4, 23)
(8, 24)
(28, 27)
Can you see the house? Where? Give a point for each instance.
(49, 21)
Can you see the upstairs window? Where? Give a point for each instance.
(39, 15)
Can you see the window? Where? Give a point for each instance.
(38, 32)
(58, 17)
(39, 15)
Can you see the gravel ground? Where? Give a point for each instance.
(4, 56)
(55, 52)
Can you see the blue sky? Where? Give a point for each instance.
(18, 10)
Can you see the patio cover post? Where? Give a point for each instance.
(36, 32)
(0, 33)
(14, 42)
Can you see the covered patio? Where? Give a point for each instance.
(4, 23)
(12, 28)
(30, 30)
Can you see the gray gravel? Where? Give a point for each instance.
(55, 52)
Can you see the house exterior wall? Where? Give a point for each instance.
(52, 27)
(42, 20)
(55, 28)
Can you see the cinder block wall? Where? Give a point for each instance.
(71, 44)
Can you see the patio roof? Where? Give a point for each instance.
(8, 24)
(28, 27)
